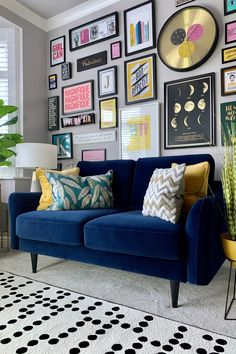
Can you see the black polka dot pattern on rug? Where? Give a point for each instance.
(36, 307)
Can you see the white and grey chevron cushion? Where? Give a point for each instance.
(164, 196)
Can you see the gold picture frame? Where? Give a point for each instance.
(108, 113)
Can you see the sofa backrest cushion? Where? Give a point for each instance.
(145, 167)
(123, 172)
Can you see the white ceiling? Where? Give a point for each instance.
(50, 8)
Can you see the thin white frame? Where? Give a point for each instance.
(145, 112)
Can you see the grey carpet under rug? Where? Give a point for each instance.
(36, 317)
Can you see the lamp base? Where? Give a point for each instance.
(35, 185)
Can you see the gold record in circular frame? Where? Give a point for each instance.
(188, 38)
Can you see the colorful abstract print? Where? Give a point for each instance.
(139, 33)
(75, 192)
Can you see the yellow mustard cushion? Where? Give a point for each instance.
(46, 197)
(196, 183)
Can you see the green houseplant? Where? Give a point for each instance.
(229, 193)
(7, 140)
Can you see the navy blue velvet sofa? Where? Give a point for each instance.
(122, 237)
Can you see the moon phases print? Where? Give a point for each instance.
(190, 112)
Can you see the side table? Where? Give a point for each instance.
(228, 305)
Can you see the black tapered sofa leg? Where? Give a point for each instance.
(174, 288)
(34, 261)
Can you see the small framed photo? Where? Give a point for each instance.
(64, 145)
(182, 2)
(58, 51)
(228, 81)
(140, 79)
(107, 81)
(140, 28)
(108, 113)
(229, 7)
(93, 155)
(66, 71)
(116, 51)
(52, 81)
(230, 32)
(228, 54)
(189, 116)
(77, 98)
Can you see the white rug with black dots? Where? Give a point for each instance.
(39, 318)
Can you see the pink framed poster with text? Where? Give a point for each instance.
(77, 98)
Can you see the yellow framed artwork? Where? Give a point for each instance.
(140, 79)
(108, 113)
(228, 54)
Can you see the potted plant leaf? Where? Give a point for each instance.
(229, 193)
(8, 140)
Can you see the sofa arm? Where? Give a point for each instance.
(204, 225)
(20, 203)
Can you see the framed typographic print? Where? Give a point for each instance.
(107, 81)
(182, 2)
(93, 155)
(139, 23)
(77, 98)
(230, 32)
(229, 7)
(140, 131)
(116, 51)
(228, 81)
(64, 145)
(140, 79)
(108, 113)
(228, 121)
(58, 51)
(228, 54)
(95, 31)
(53, 113)
(190, 112)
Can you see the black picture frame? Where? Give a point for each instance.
(109, 119)
(89, 33)
(92, 61)
(227, 8)
(227, 38)
(116, 50)
(52, 81)
(53, 113)
(79, 101)
(109, 87)
(64, 142)
(189, 112)
(182, 2)
(144, 33)
(145, 71)
(228, 54)
(57, 51)
(228, 84)
(66, 71)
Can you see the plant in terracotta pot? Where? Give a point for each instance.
(229, 193)
(8, 140)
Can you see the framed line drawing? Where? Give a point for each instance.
(230, 32)
(116, 50)
(107, 81)
(140, 79)
(190, 112)
(95, 31)
(64, 145)
(108, 113)
(229, 7)
(93, 155)
(52, 81)
(140, 131)
(228, 54)
(140, 28)
(58, 51)
(228, 81)
(77, 98)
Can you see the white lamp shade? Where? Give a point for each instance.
(32, 155)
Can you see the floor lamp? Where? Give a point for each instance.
(33, 155)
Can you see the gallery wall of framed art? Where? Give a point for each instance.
(127, 70)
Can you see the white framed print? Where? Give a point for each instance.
(58, 51)
(107, 81)
(140, 131)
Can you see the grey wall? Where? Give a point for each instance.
(34, 79)
(163, 11)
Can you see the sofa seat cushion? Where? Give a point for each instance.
(64, 227)
(132, 233)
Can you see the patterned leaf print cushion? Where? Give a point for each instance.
(164, 196)
(75, 192)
